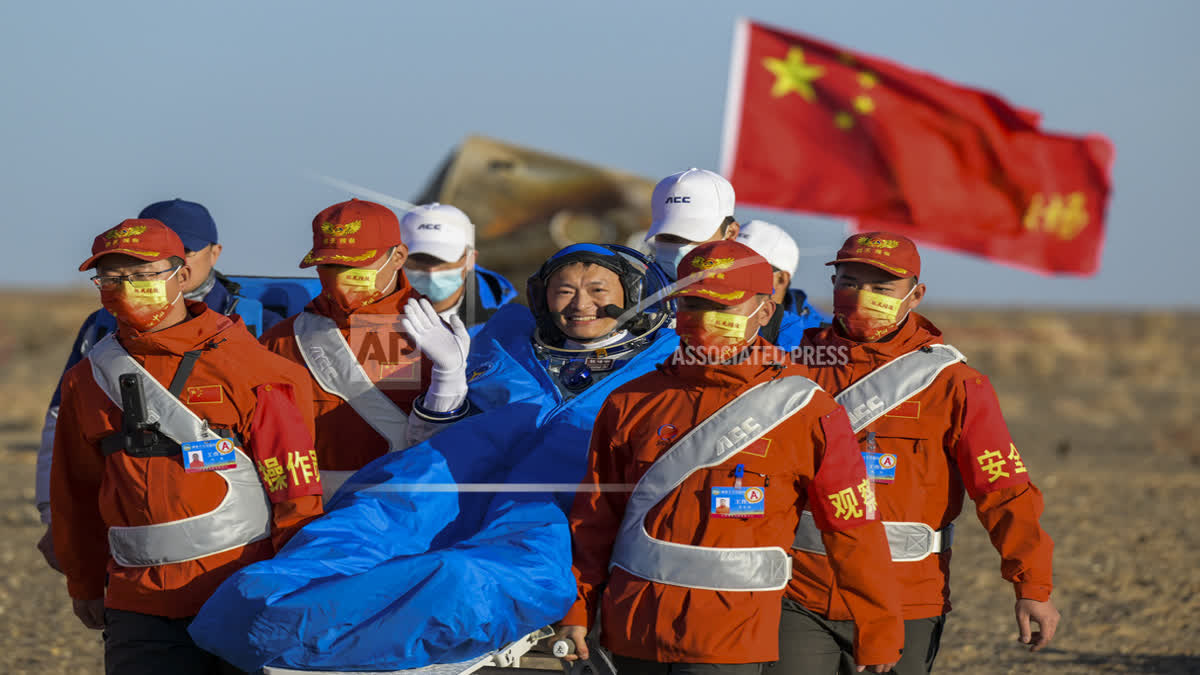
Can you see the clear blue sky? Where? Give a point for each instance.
(108, 106)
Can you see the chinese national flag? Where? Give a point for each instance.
(813, 127)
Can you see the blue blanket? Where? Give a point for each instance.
(422, 557)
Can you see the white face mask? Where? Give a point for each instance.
(669, 255)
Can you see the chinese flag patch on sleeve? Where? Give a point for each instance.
(204, 393)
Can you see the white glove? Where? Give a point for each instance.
(447, 347)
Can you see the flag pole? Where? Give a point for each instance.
(733, 95)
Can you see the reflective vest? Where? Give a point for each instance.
(721, 435)
(242, 517)
(337, 371)
(869, 399)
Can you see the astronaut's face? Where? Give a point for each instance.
(576, 296)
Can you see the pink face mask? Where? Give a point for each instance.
(866, 316)
(721, 334)
(351, 287)
(140, 304)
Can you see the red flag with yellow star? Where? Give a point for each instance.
(813, 127)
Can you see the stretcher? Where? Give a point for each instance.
(513, 655)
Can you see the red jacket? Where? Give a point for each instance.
(948, 437)
(236, 384)
(345, 442)
(807, 459)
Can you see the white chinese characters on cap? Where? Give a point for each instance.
(439, 230)
(690, 204)
(771, 242)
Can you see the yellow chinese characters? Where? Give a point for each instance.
(272, 474)
(992, 463)
(867, 492)
(1018, 465)
(1062, 216)
(845, 504)
(302, 467)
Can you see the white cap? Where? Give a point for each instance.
(439, 230)
(690, 204)
(772, 243)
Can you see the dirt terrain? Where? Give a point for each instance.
(1101, 405)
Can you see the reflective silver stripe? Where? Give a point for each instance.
(869, 399)
(894, 383)
(726, 432)
(334, 367)
(908, 542)
(242, 517)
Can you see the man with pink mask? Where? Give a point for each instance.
(929, 426)
(367, 372)
(183, 452)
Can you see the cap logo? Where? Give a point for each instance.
(679, 199)
(429, 226)
(732, 295)
(702, 263)
(123, 232)
(309, 258)
(876, 242)
(343, 229)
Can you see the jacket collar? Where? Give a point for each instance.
(759, 358)
(914, 333)
(202, 327)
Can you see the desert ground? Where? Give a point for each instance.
(1101, 405)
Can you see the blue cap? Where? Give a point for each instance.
(191, 221)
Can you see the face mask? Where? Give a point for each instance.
(351, 287)
(668, 256)
(437, 285)
(140, 304)
(866, 316)
(720, 335)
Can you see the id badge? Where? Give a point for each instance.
(881, 466)
(211, 455)
(738, 502)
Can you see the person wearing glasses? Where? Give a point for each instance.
(198, 232)
(142, 536)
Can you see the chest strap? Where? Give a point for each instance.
(242, 517)
(723, 434)
(868, 399)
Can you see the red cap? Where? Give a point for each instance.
(353, 233)
(730, 272)
(142, 238)
(889, 252)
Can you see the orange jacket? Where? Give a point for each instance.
(950, 436)
(345, 442)
(236, 384)
(806, 459)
